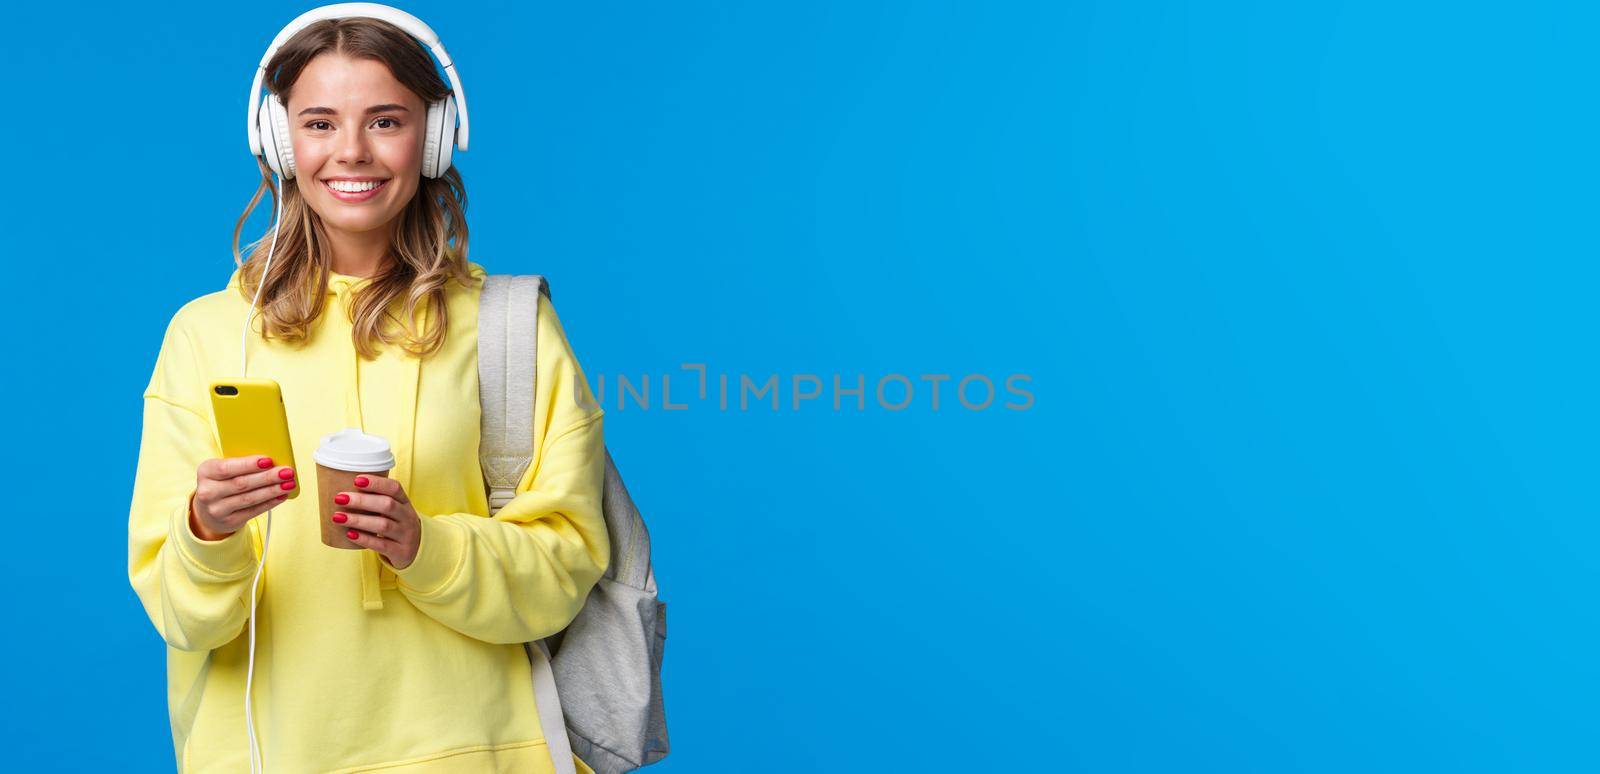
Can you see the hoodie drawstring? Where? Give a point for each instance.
(400, 432)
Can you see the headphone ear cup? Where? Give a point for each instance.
(276, 146)
(265, 147)
(440, 138)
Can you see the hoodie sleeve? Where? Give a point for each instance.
(525, 573)
(194, 591)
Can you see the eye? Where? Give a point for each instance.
(393, 123)
(318, 125)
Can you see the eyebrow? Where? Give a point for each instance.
(327, 111)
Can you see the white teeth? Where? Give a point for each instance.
(348, 186)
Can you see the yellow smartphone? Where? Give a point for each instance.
(251, 420)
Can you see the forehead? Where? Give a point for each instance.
(341, 82)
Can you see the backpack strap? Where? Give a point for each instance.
(552, 722)
(508, 347)
(508, 332)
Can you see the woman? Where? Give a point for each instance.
(405, 657)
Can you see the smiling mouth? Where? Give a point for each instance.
(352, 191)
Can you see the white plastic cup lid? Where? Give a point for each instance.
(352, 450)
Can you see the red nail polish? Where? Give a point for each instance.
(286, 473)
(286, 485)
(340, 518)
(342, 498)
(352, 534)
(361, 481)
(283, 497)
(264, 463)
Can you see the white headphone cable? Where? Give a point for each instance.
(257, 759)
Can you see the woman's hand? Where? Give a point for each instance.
(380, 517)
(231, 491)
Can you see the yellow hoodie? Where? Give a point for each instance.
(358, 666)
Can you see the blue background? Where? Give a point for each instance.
(1304, 294)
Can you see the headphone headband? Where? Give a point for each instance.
(405, 21)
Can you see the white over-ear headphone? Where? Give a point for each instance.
(268, 122)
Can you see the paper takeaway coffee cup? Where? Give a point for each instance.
(340, 458)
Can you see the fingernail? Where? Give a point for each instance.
(286, 473)
(342, 498)
(361, 480)
(286, 485)
(283, 497)
(340, 518)
(352, 534)
(264, 463)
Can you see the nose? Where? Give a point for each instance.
(352, 148)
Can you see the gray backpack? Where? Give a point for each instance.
(597, 682)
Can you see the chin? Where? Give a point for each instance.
(355, 225)
(353, 219)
